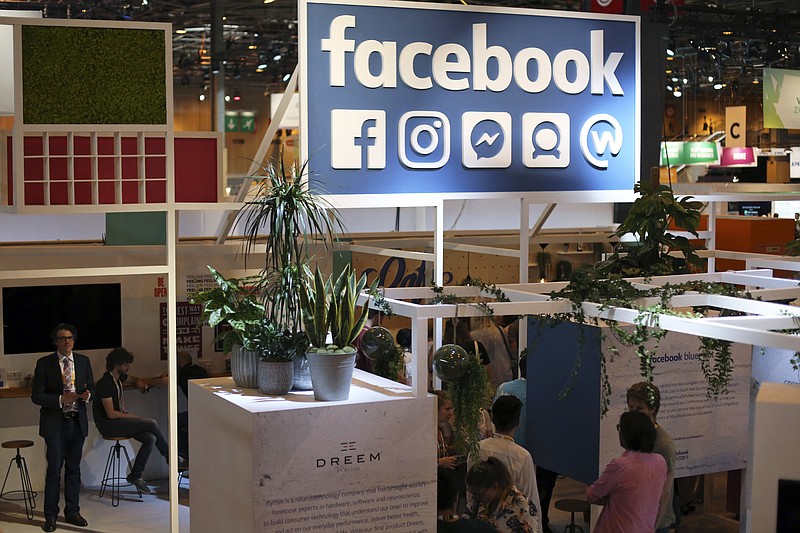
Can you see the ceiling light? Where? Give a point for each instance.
(202, 97)
(286, 77)
(268, 1)
(262, 66)
(718, 86)
(227, 98)
(710, 79)
(670, 52)
(252, 47)
(180, 32)
(669, 88)
(677, 93)
(685, 81)
(277, 57)
(674, 79)
(755, 82)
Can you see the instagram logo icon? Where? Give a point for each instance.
(424, 139)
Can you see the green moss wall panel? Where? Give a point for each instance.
(93, 76)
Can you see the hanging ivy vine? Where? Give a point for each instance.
(390, 364)
(644, 335)
(468, 394)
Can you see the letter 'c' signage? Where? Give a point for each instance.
(408, 97)
(735, 124)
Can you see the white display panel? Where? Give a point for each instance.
(283, 464)
(7, 59)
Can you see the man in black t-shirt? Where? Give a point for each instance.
(113, 420)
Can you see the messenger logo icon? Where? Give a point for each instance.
(486, 139)
(358, 139)
(545, 140)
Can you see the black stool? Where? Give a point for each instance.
(111, 475)
(572, 506)
(27, 493)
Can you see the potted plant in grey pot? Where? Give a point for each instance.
(237, 303)
(283, 215)
(331, 306)
(279, 347)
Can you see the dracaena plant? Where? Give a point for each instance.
(285, 216)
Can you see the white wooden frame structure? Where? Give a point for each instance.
(756, 328)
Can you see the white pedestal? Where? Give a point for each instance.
(775, 464)
(286, 464)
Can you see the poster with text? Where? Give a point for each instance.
(189, 337)
(710, 435)
(370, 468)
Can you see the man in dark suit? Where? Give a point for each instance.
(62, 384)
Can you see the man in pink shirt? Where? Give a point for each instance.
(630, 486)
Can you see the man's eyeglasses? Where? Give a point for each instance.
(65, 339)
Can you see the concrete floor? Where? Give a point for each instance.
(151, 513)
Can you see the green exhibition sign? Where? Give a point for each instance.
(90, 75)
(781, 98)
(247, 122)
(689, 153)
(231, 122)
(244, 121)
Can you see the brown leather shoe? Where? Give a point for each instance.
(76, 520)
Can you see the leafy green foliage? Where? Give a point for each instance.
(390, 364)
(292, 216)
(648, 220)
(78, 75)
(279, 344)
(490, 289)
(234, 301)
(586, 285)
(468, 395)
(793, 248)
(329, 305)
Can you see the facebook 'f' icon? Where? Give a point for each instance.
(358, 139)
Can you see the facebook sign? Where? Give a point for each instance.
(402, 97)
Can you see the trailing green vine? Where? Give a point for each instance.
(643, 335)
(490, 289)
(379, 301)
(390, 364)
(468, 395)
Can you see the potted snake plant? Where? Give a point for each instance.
(330, 306)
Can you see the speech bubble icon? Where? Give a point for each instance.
(487, 139)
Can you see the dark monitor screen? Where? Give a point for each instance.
(621, 211)
(788, 505)
(30, 313)
(750, 209)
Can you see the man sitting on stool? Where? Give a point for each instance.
(113, 420)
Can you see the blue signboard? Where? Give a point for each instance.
(401, 97)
